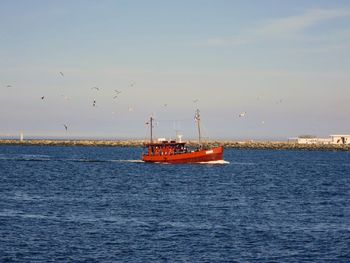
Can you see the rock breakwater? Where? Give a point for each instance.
(268, 145)
(91, 143)
(284, 146)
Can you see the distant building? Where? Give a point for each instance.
(314, 140)
(333, 139)
(340, 139)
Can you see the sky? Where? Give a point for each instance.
(284, 64)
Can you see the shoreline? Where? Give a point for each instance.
(267, 145)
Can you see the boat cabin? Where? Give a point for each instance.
(166, 148)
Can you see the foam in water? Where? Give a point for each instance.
(128, 161)
(215, 162)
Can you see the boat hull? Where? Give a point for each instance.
(214, 154)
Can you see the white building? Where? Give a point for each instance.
(314, 140)
(333, 139)
(340, 139)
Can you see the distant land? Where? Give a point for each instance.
(268, 145)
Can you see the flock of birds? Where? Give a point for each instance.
(94, 103)
(130, 109)
(244, 113)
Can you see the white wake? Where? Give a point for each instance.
(215, 162)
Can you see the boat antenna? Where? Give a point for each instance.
(198, 120)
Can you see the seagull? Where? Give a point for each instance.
(94, 103)
(118, 92)
(65, 126)
(242, 114)
(96, 88)
(61, 73)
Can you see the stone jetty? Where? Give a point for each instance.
(267, 145)
(96, 143)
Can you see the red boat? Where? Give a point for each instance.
(178, 152)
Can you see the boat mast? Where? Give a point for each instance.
(151, 126)
(198, 119)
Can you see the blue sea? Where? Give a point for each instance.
(87, 204)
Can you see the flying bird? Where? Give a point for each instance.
(65, 126)
(61, 73)
(132, 84)
(8, 86)
(96, 88)
(242, 114)
(195, 100)
(118, 92)
(130, 109)
(94, 103)
(43, 97)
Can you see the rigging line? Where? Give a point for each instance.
(206, 135)
(176, 120)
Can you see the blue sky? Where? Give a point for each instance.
(285, 63)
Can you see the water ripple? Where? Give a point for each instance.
(79, 204)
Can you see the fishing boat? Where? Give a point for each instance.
(178, 152)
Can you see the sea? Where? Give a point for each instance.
(102, 204)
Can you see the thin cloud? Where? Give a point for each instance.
(280, 27)
(297, 24)
(221, 42)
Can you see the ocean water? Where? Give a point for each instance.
(86, 204)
